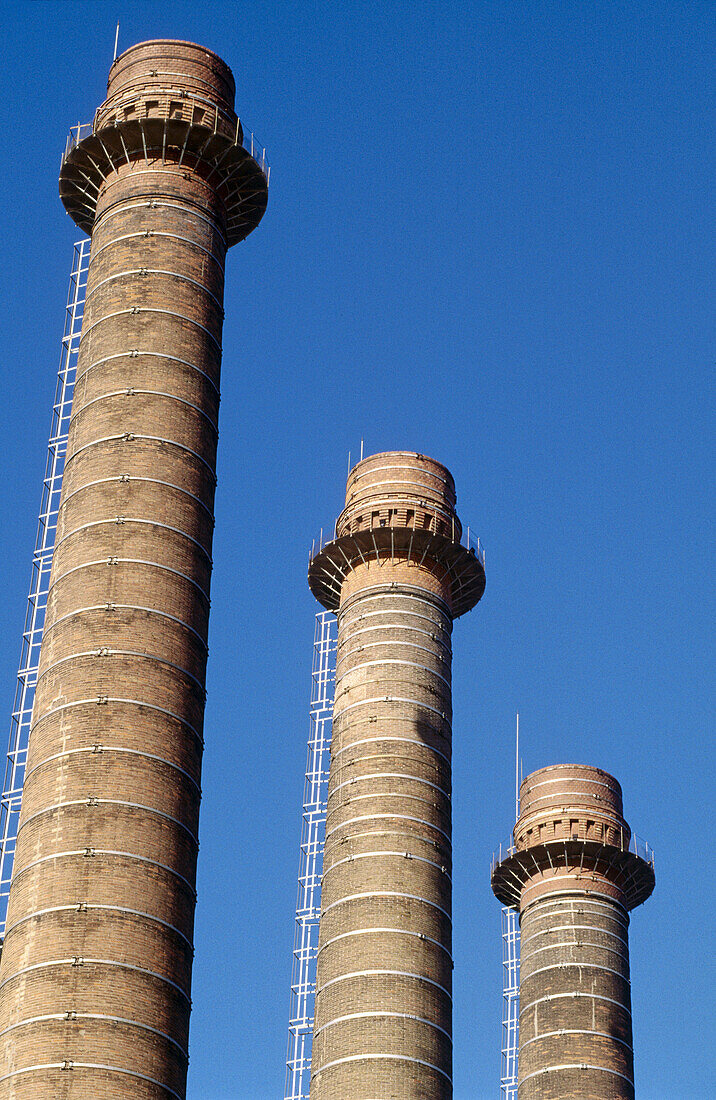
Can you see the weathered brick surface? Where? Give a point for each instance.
(575, 1034)
(96, 967)
(383, 1003)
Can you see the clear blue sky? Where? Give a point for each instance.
(489, 239)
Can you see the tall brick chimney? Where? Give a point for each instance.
(397, 575)
(96, 967)
(574, 872)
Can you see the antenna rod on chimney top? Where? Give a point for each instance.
(517, 768)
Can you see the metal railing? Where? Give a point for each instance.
(77, 134)
(634, 844)
(248, 141)
(466, 540)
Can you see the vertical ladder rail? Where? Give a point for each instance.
(21, 717)
(313, 832)
(511, 1002)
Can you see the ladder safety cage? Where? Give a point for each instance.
(313, 834)
(510, 1002)
(21, 717)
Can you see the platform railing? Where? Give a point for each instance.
(466, 539)
(246, 139)
(633, 843)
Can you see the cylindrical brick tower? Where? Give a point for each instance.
(397, 575)
(96, 966)
(574, 873)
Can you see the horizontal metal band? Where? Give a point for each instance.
(560, 885)
(377, 740)
(124, 607)
(555, 907)
(382, 794)
(384, 974)
(393, 661)
(134, 478)
(401, 591)
(355, 723)
(350, 638)
(579, 1066)
(154, 153)
(135, 353)
(406, 836)
(172, 90)
(392, 594)
(133, 561)
(390, 699)
(580, 965)
(375, 855)
(443, 624)
(415, 602)
(184, 208)
(96, 1016)
(92, 800)
(403, 469)
(576, 1031)
(107, 651)
(570, 779)
(134, 437)
(119, 520)
(380, 1058)
(160, 233)
(153, 271)
(130, 391)
(75, 961)
(386, 894)
(574, 996)
(112, 748)
(398, 497)
(574, 928)
(394, 931)
(389, 817)
(384, 1015)
(95, 700)
(136, 310)
(69, 1065)
(399, 490)
(88, 905)
(390, 775)
(89, 853)
(574, 943)
(393, 642)
(187, 207)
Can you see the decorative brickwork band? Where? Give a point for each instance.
(96, 969)
(574, 872)
(396, 573)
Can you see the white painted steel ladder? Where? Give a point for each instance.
(39, 584)
(510, 1002)
(313, 833)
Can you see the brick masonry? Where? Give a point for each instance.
(578, 882)
(96, 968)
(384, 985)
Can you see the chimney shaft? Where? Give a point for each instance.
(96, 967)
(574, 873)
(396, 574)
